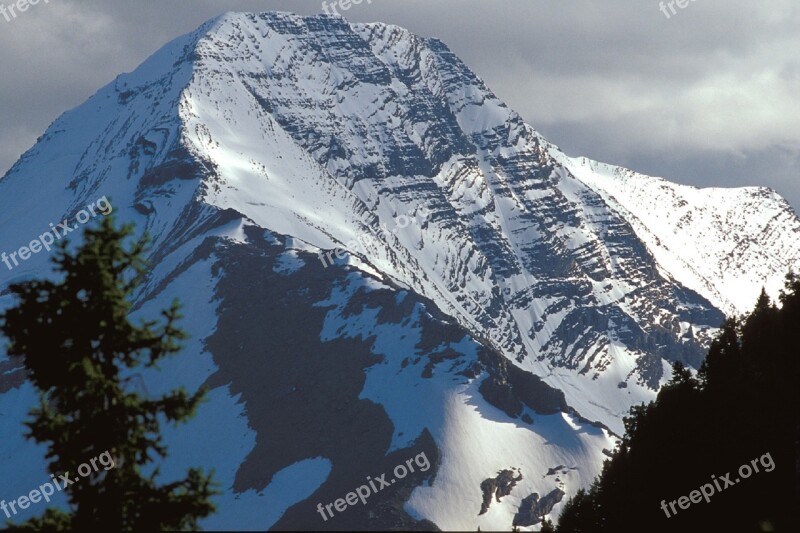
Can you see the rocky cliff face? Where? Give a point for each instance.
(381, 259)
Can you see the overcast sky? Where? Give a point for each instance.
(709, 96)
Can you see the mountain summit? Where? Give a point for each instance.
(379, 259)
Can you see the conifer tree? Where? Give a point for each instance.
(740, 413)
(80, 349)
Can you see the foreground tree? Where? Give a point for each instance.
(733, 430)
(81, 350)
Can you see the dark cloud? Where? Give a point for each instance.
(707, 97)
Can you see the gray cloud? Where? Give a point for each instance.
(707, 97)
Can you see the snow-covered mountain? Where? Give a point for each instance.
(378, 258)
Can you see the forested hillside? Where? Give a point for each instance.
(716, 451)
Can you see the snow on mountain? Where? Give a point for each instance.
(495, 295)
(726, 244)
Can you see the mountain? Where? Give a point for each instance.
(379, 259)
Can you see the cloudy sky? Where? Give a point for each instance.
(709, 96)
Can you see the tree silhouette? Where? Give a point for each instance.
(739, 416)
(81, 351)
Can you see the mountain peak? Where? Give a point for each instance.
(350, 211)
(328, 131)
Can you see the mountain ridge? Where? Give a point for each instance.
(261, 141)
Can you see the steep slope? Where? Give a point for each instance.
(475, 257)
(378, 125)
(725, 244)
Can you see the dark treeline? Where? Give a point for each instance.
(741, 408)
